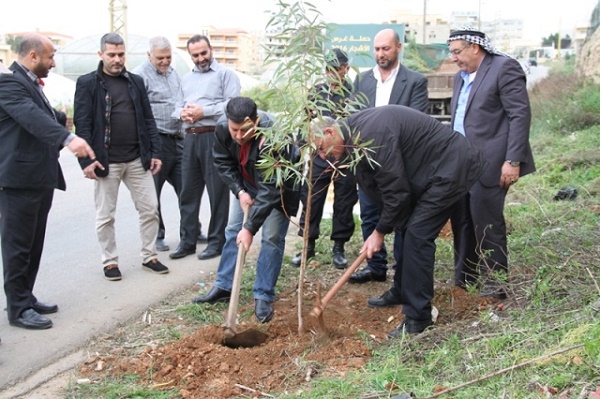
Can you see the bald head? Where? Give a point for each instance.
(36, 53)
(387, 35)
(387, 48)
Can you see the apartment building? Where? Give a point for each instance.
(235, 48)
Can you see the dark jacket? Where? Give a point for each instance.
(410, 89)
(267, 195)
(498, 115)
(413, 155)
(330, 103)
(30, 136)
(92, 117)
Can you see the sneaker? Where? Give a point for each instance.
(112, 272)
(155, 266)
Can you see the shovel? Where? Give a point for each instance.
(320, 303)
(231, 337)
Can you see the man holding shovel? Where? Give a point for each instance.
(237, 151)
(418, 169)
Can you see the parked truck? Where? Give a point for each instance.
(439, 85)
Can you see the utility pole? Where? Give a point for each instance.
(479, 17)
(424, 21)
(558, 39)
(118, 19)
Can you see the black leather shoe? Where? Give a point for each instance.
(339, 260)
(310, 253)
(410, 326)
(202, 239)
(215, 295)
(263, 310)
(492, 289)
(44, 308)
(32, 320)
(388, 299)
(209, 253)
(297, 260)
(182, 253)
(161, 245)
(366, 275)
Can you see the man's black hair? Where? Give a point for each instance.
(240, 108)
(111, 38)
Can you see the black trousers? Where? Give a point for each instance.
(198, 171)
(414, 276)
(479, 229)
(23, 219)
(345, 197)
(172, 151)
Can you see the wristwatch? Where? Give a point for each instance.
(242, 191)
(513, 163)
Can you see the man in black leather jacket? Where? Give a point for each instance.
(238, 148)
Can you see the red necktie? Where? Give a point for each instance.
(40, 82)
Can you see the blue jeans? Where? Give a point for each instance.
(369, 216)
(268, 265)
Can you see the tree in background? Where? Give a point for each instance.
(298, 62)
(14, 42)
(552, 41)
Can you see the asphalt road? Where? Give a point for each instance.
(536, 74)
(71, 276)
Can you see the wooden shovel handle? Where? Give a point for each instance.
(230, 324)
(318, 309)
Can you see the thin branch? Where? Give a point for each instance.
(245, 388)
(593, 279)
(499, 372)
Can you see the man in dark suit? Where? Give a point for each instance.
(490, 107)
(389, 82)
(418, 169)
(32, 136)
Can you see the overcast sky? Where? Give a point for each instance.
(79, 18)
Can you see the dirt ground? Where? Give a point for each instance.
(200, 366)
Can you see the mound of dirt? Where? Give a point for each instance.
(200, 366)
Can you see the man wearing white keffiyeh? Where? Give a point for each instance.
(490, 107)
(471, 35)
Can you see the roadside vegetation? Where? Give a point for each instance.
(544, 341)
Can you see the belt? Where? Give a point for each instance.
(200, 130)
(173, 136)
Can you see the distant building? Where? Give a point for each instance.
(234, 48)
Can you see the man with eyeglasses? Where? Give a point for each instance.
(490, 107)
(202, 99)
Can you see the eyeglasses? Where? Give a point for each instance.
(456, 52)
